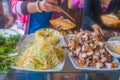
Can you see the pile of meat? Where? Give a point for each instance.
(88, 47)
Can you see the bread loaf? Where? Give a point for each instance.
(110, 21)
(64, 24)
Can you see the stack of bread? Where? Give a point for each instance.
(63, 25)
(111, 21)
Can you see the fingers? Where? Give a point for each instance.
(101, 32)
(55, 2)
(98, 29)
(9, 24)
(61, 17)
(95, 28)
(10, 21)
(48, 7)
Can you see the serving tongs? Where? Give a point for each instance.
(18, 48)
(64, 12)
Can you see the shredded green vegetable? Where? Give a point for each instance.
(7, 46)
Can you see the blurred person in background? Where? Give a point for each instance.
(94, 9)
(6, 16)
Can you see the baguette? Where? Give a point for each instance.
(64, 24)
(110, 21)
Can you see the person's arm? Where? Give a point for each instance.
(88, 22)
(25, 7)
(119, 3)
(7, 18)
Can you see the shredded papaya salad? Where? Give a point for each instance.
(40, 57)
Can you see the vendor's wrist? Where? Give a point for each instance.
(38, 6)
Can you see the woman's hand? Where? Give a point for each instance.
(44, 5)
(97, 29)
(50, 5)
(10, 21)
